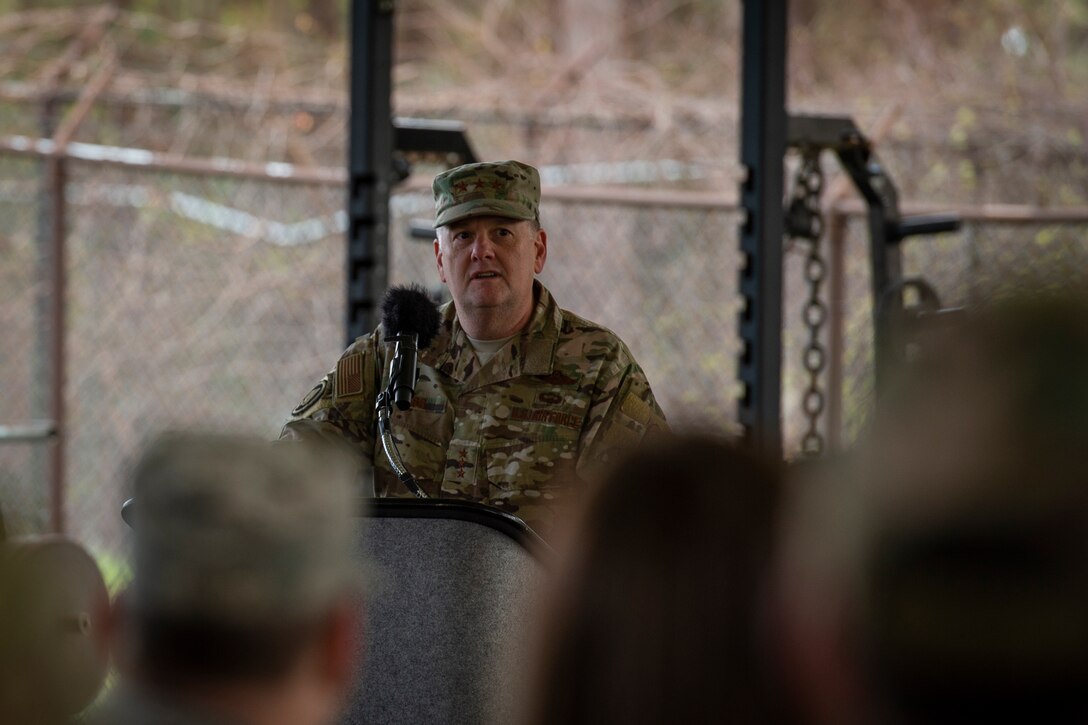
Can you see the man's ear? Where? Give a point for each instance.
(541, 244)
(438, 261)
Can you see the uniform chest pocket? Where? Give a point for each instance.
(532, 465)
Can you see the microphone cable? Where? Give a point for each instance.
(384, 407)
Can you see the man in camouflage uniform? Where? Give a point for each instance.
(516, 398)
(245, 602)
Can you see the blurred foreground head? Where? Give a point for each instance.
(239, 531)
(656, 615)
(941, 575)
(245, 569)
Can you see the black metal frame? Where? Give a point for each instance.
(431, 508)
(887, 228)
(455, 509)
(767, 131)
(373, 168)
(763, 137)
(432, 136)
(765, 127)
(370, 161)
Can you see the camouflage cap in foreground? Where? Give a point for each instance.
(504, 188)
(238, 530)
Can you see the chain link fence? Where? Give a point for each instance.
(25, 329)
(217, 301)
(991, 256)
(191, 301)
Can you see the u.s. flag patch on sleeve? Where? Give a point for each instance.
(349, 375)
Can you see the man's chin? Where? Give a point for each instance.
(483, 299)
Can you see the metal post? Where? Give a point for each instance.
(763, 145)
(57, 179)
(44, 393)
(58, 289)
(370, 161)
(885, 269)
(50, 344)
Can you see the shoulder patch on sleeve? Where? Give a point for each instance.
(637, 409)
(349, 375)
(308, 401)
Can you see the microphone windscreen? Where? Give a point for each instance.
(408, 310)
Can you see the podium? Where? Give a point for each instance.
(450, 588)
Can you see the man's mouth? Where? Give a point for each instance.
(485, 275)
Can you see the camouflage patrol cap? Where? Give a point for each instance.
(236, 530)
(504, 188)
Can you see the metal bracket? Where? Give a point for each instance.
(886, 226)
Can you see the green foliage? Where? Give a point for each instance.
(115, 571)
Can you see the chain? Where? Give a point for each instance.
(804, 221)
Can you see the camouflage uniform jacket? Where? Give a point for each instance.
(556, 400)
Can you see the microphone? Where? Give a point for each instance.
(410, 319)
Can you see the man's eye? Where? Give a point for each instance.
(503, 232)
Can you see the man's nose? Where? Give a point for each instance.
(482, 248)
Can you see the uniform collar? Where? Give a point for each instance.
(530, 353)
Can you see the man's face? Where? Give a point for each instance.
(488, 263)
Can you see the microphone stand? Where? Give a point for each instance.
(384, 409)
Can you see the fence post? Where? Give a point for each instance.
(43, 393)
(57, 171)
